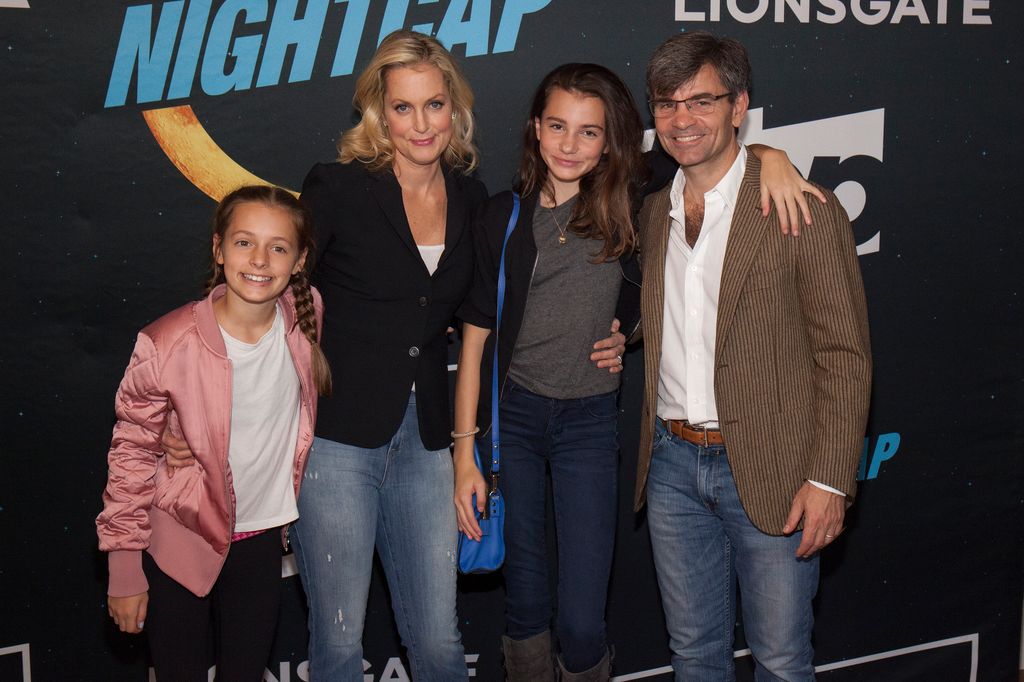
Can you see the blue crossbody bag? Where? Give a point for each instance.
(488, 554)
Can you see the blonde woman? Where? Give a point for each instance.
(394, 260)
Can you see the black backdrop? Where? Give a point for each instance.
(907, 107)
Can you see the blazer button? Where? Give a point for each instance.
(414, 352)
(423, 301)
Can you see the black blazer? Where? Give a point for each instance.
(385, 316)
(480, 308)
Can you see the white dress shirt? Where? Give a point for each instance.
(686, 382)
(686, 385)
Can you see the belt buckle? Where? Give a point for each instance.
(704, 429)
(700, 428)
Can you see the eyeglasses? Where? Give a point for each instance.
(700, 105)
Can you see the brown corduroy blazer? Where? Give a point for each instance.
(792, 355)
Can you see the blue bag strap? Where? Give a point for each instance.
(495, 464)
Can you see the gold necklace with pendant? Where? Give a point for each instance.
(561, 230)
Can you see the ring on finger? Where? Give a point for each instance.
(620, 359)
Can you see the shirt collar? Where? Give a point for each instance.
(728, 187)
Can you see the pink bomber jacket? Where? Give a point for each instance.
(185, 522)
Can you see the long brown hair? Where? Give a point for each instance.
(368, 141)
(275, 197)
(605, 205)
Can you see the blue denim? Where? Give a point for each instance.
(397, 497)
(703, 545)
(577, 439)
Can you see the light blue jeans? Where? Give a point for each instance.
(397, 498)
(703, 544)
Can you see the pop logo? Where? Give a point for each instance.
(842, 137)
(886, 445)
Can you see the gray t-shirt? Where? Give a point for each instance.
(570, 306)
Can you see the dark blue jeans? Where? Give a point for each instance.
(577, 440)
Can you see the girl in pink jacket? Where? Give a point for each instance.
(237, 376)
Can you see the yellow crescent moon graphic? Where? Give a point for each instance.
(191, 149)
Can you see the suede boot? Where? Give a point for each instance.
(528, 660)
(600, 672)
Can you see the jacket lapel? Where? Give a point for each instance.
(455, 220)
(388, 194)
(746, 232)
(652, 256)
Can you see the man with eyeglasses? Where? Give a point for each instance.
(758, 373)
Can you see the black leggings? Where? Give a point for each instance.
(241, 612)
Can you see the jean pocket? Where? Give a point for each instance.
(507, 390)
(661, 436)
(604, 406)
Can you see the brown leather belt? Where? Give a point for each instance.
(698, 435)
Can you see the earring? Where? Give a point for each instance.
(453, 115)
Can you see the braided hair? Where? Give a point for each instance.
(275, 197)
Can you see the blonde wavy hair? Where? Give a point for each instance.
(368, 141)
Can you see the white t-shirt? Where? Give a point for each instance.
(264, 429)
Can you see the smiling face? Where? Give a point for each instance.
(571, 139)
(258, 253)
(418, 113)
(704, 145)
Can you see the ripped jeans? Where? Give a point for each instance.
(397, 498)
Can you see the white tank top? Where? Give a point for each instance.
(431, 255)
